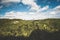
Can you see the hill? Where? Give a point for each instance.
(18, 27)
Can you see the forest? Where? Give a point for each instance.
(30, 29)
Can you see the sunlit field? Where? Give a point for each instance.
(17, 29)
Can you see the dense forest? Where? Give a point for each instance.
(27, 28)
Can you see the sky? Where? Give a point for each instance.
(29, 9)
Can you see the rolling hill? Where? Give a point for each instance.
(18, 27)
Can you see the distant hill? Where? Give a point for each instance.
(18, 27)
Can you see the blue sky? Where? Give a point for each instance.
(29, 9)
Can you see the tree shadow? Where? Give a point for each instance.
(13, 38)
(44, 35)
(35, 35)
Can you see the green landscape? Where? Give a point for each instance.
(18, 27)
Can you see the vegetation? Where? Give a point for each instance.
(17, 27)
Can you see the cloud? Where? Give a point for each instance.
(55, 10)
(31, 3)
(43, 9)
(35, 12)
(23, 15)
(53, 13)
(6, 1)
(26, 15)
(34, 6)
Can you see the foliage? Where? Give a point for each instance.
(17, 27)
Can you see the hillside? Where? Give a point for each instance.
(17, 27)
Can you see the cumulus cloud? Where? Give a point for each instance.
(37, 14)
(53, 13)
(55, 10)
(31, 3)
(23, 15)
(34, 6)
(32, 15)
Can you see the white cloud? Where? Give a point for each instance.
(55, 10)
(6, 1)
(31, 3)
(43, 9)
(37, 14)
(53, 13)
(23, 15)
(34, 6)
(58, 7)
